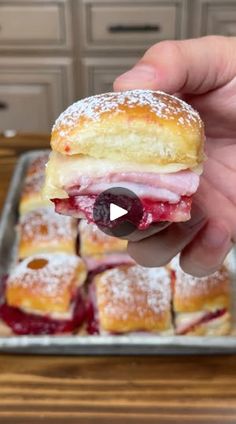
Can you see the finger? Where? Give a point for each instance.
(159, 249)
(187, 66)
(206, 253)
(138, 235)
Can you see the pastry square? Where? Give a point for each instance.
(95, 242)
(31, 196)
(44, 231)
(201, 305)
(130, 299)
(44, 295)
(37, 165)
(99, 250)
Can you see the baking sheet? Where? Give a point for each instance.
(94, 345)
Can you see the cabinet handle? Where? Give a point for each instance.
(134, 28)
(3, 105)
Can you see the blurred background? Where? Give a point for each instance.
(53, 52)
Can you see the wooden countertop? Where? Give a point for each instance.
(114, 390)
(117, 390)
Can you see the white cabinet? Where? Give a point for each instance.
(33, 92)
(53, 52)
(35, 25)
(36, 63)
(216, 17)
(132, 24)
(99, 73)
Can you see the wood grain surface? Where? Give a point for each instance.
(107, 390)
(114, 390)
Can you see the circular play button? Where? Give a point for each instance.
(117, 211)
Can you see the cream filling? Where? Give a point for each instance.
(53, 315)
(169, 332)
(214, 323)
(62, 171)
(185, 320)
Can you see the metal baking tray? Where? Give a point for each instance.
(92, 345)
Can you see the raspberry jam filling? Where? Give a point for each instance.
(206, 318)
(92, 325)
(153, 210)
(92, 322)
(23, 323)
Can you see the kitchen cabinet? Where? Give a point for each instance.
(53, 52)
(214, 17)
(33, 92)
(124, 25)
(99, 73)
(36, 63)
(35, 24)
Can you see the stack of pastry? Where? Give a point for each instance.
(130, 298)
(70, 273)
(145, 141)
(44, 293)
(152, 144)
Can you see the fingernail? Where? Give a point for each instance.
(215, 236)
(140, 73)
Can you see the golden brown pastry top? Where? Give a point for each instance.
(94, 242)
(44, 225)
(37, 165)
(193, 294)
(133, 298)
(33, 184)
(45, 283)
(139, 125)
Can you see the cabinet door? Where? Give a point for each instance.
(35, 24)
(99, 73)
(132, 24)
(215, 17)
(33, 92)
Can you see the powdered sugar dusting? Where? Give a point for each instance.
(37, 166)
(33, 184)
(187, 285)
(91, 234)
(45, 225)
(134, 289)
(48, 280)
(161, 104)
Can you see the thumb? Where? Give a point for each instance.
(188, 66)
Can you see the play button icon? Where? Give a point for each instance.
(117, 211)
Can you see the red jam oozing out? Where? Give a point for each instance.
(206, 318)
(92, 325)
(23, 323)
(172, 280)
(153, 211)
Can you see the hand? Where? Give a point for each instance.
(203, 72)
